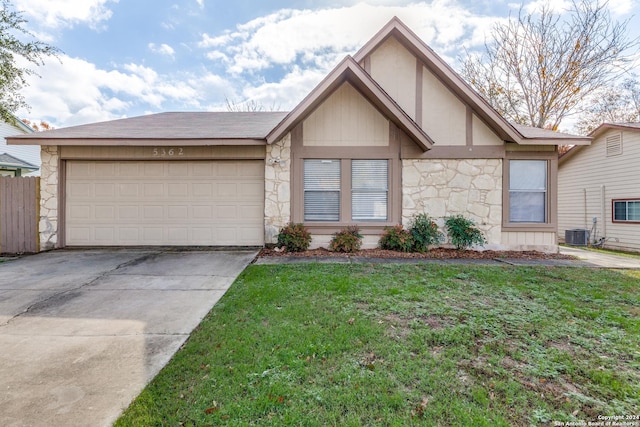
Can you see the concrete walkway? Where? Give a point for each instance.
(82, 332)
(601, 259)
(584, 259)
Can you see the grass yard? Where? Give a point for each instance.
(399, 345)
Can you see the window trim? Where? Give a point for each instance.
(391, 153)
(551, 212)
(620, 221)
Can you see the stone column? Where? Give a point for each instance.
(277, 188)
(48, 225)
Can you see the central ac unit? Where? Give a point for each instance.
(576, 237)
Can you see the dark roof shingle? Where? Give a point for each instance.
(172, 125)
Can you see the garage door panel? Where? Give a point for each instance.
(129, 190)
(165, 203)
(105, 212)
(153, 169)
(105, 169)
(80, 189)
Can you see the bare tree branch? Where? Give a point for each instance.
(538, 67)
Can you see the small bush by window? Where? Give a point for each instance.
(396, 238)
(294, 238)
(425, 232)
(347, 240)
(463, 232)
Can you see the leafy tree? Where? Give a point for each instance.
(617, 103)
(539, 67)
(17, 44)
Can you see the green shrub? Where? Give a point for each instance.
(346, 240)
(396, 238)
(463, 232)
(425, 232)
(294, 238)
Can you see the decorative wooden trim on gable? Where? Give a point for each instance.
(349, 71)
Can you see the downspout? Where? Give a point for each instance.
(602, 211)
(584, 206)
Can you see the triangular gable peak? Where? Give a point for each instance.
(429, 69)
(348, 71)
(431, 73)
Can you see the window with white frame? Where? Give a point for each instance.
(528, 191)
(324, 188)
(626, 210)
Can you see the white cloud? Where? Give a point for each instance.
(75, 91)
(162, 49)
(66, 13)
(622, 7)
(308, 37)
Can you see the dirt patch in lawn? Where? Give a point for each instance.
(437, 253)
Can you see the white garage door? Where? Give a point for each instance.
(130, 203)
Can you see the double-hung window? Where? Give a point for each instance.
(626, 210)
(348, 190)
(369, 190)
(322, 190)
(528, 191)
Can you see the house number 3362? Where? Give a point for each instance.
(167, 151)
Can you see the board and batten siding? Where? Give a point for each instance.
(589, 181)
(346, 118)
(394, 68)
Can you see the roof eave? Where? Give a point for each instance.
(555, 141)
(166, 142)
(349, 71)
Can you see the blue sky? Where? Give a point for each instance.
(124, 58)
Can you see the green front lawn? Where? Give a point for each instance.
(394, 344)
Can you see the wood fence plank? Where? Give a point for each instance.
(19, 200)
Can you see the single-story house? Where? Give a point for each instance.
(17, 160)
(599, 188)
(390, 132)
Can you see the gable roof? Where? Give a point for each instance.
(219, 128)
(349, 71)
(630, 126)
(12, 162)
(505, 130)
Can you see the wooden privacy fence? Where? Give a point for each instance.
(19, 212)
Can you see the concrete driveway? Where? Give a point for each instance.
(82, 332)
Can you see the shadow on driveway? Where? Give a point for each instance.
(83, 331)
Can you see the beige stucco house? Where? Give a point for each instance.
(390, 132)
(599, 187)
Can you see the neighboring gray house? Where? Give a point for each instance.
(17, 160)
(599, 187)
(390, 132)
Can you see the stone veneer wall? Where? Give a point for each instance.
(48, 226)
(277, 188)
(442, 188)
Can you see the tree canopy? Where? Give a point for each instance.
(17, 45)
(619, 103)
(538, 67)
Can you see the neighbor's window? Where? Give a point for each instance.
(528, 191)
(322, 190)
(626, 210)
(369, 190)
